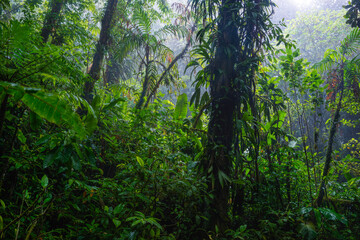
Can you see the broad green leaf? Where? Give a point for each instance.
(35, 121)
(112, 103)
(95, 104)
(136, 222)
(140, 161)
(223, 178)
(21, 137)
(43, 140)
(305, 210)
(12, 89)
(53, 109)
(269, 138)
(198, 143)
(292, 144)
(242, 228)
(154, 222)
(247, 116)
(267, 126)
(181, 107)
(91, 119)
(199, 124)
(49, 159)
(116, 222)
(282, 115)
(118, 209)
(44, 181)
(317, 216)
(71, 181)
(307, 230)
(2, 204)
(332, 215)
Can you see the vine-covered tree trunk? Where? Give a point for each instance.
(94, 72)
(51, 19)
(218, 160)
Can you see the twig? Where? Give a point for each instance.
(24, 213)
(18, 226)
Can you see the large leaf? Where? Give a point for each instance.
(53, 109)
(112, 103)
(91, 119)
(46, 105)
(307, 230)
(181, 108)
(332, 215)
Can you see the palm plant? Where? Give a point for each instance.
(151, 50)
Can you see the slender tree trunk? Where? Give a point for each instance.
(288, 179)
(146, 82)
(334, 123)
(2, 112)
(288, 162)
(311, 151)
(171, 65)
(94, 73)
(51, 19)
(218, 162)
(300, 120)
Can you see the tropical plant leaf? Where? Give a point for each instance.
(181, 107)
(112, 103)
(53, 109)
(307, 230)
(332, 215)
(46, 105)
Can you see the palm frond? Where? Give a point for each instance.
(178, 31)
(351, 43)
(331, 58)
(143, 21)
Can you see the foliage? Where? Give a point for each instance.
(352, 13)
(316, 31)
(118, 172)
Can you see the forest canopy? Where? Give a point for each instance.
(149, 119)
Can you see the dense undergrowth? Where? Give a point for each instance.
(105, 169)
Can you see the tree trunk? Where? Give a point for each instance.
(146, 82)
(171, 65)
(51, 19)
(94, 72)
(2, 112)
(334, 123)
(218, 161)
